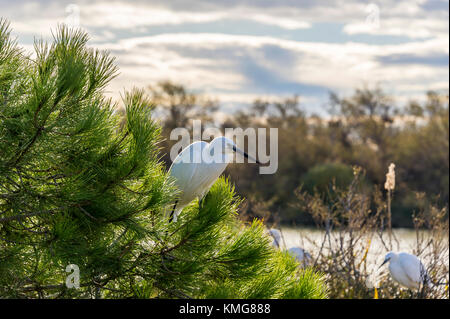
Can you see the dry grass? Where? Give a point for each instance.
(353, 219)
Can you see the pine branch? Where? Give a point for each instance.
(24, 216)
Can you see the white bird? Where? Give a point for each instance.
(302, 256)
(197, 168)
(276, 237)
(407, 270)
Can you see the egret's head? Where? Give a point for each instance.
(389, 256)
(223, 148)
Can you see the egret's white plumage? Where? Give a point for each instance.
(276, 235)
(302, 256)
(198, 166)
(406, 269)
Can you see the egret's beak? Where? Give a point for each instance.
(239, 151)
(385, 261)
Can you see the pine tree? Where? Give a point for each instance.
(77, 187)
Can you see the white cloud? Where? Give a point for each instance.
(206, 62)
(120, 15)
(413, 28)
(233, 67)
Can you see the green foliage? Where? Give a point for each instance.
(355, 240)
(322, 176)
(81, 185)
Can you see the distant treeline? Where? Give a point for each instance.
(366, 129)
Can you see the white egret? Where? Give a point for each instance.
(302, 256)
(198, 166)
(407, 270)
(276, 235)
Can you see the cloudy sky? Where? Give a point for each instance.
(236, 51)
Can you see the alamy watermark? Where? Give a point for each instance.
(260, 146)
(373, 16)
(72, 15)
(73, 280)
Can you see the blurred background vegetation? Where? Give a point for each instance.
(366, 129)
